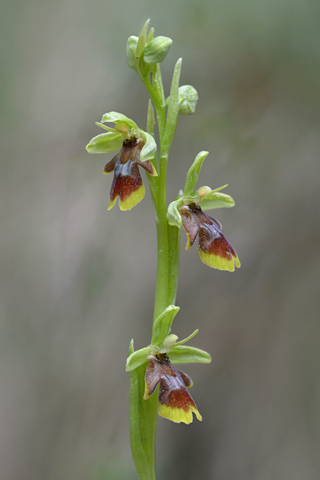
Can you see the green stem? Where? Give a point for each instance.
(143, 424)
(161, 296)
(159, 105)
(143, 413)
(155, 91)
(173, 270)
(168, 237)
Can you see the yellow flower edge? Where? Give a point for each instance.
(130, 201)
(178, 415)
(215, 261)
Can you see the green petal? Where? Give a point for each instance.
(162, 324)
(105, 143)
(138, 358)
(185, 340)
(185, 354)
(193, 173)
(209, 190)
(105, 127)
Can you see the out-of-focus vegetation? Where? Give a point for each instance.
(77, 282)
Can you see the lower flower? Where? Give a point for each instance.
(175, 402)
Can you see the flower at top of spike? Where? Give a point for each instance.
(145, 51)
(137, 148)
(127, 182)
(175, 402)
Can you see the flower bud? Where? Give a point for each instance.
(188, 97)
(156, 50)
(131, 52)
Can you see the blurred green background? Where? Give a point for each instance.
(77, 282)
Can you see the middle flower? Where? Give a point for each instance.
(214, 249)
(127, 182)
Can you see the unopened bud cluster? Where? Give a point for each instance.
(145, 50)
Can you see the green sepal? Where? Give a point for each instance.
(121, 121)
(193, 172)
(162, 324)
(185, 354)
(131, 52)
(105, 143)
(173, 214)
(127, 128)
(156, 50)
(216, 200)
(150, 147)
(209, 199)
(137, 358)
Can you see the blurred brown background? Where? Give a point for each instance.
(77, 282)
